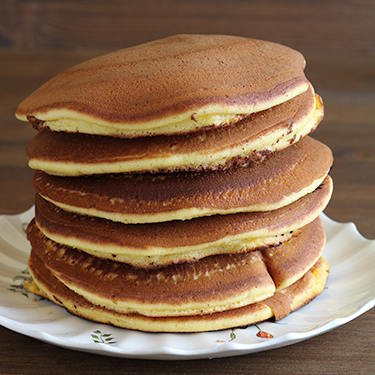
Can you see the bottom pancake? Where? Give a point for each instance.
(213, 284)
(282, 303)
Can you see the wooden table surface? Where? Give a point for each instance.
(347, 86)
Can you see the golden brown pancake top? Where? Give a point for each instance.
(260, 186)
(179, 75)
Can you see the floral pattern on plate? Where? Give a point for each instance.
(349, 293)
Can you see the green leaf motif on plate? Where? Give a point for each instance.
(19, 288)
(103, 338)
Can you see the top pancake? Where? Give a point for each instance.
(174, 85)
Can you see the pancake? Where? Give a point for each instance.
(174, 85)
(215, 283)
(44, 284)
(278, 180)
(160, 244)
(67, 154)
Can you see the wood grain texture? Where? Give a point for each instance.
(41, 38)
(309, 25)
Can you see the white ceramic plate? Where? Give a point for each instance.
(350, 292)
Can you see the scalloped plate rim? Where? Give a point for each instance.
(172, 350)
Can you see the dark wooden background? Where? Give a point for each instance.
(313, 26)
(40, 38)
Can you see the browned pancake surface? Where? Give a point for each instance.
(71, 154)
(145, 244)
(260, 186)
(172, 285)
(295, 256)
(281, 304)
(213, 284)
(168, 77)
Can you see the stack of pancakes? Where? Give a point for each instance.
(177, 187)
